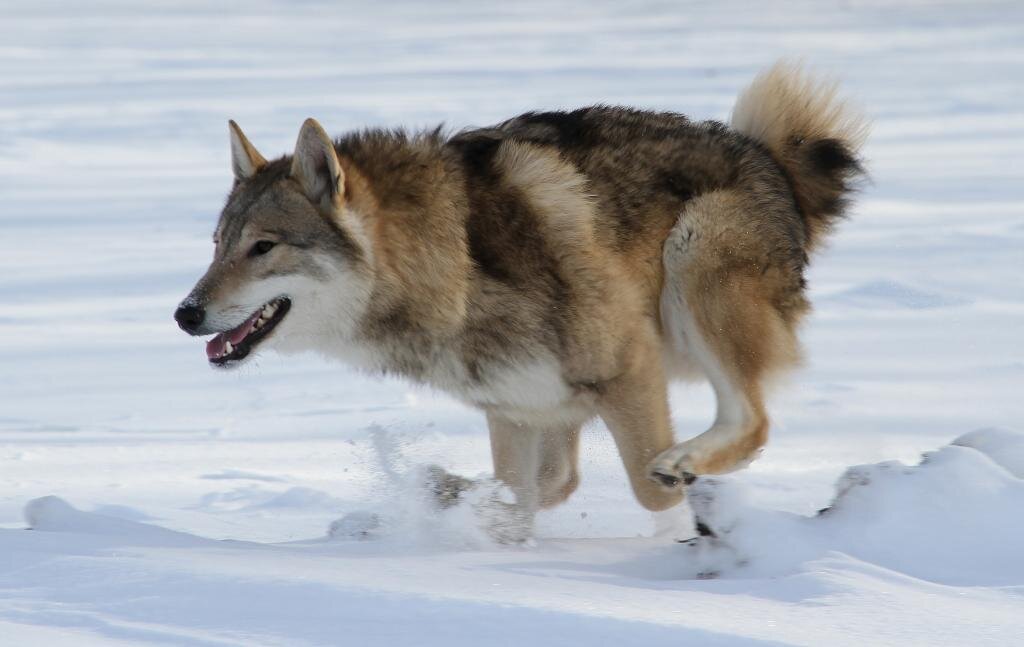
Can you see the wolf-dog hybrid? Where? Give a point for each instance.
(554, 268)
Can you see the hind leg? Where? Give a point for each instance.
(721, 304)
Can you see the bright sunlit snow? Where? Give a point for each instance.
(171, 504)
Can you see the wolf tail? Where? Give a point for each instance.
(812, 133)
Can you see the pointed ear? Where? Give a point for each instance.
(316, 166)
(245, 159)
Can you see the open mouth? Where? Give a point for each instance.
(233, 345)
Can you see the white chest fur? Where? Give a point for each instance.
(530, 384)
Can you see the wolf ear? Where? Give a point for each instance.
(245, 159)
(316, 166)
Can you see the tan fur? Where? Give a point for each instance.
(740, 316)
(634, 405)
(418, 261)
(790, 111)
(785, 101)
(558, 477)
(537, 462)
(607, 304)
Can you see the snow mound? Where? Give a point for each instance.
(954, 518)
(53, 514)
(1004, 446)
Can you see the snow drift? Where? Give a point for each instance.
(952, 519)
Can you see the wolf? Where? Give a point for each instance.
(555, 268)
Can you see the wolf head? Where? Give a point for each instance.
(290, 267)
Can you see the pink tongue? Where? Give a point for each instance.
(238, 334)
(215, 347)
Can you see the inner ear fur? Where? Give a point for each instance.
(246, 161)
(316, 166)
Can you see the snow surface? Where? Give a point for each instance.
(170, 504)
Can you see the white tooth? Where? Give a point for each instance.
(228, 348)
(268, 311)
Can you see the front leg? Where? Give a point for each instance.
(515, 451)
(634, 405)
(537, 462)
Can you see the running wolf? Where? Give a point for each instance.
(554, 268)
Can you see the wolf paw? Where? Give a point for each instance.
(671, 468)
(445, 487)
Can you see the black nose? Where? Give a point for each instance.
(189, 317)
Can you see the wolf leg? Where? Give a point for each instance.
(634, 406)
(558, 477)
(538, 464)
(732, 311)
(515, 450)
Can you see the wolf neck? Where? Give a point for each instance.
(415, 223)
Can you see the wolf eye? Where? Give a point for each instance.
(262, 247)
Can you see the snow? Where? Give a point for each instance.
(888, 514)
(170, 504)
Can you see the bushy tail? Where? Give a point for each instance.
(814, 135)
